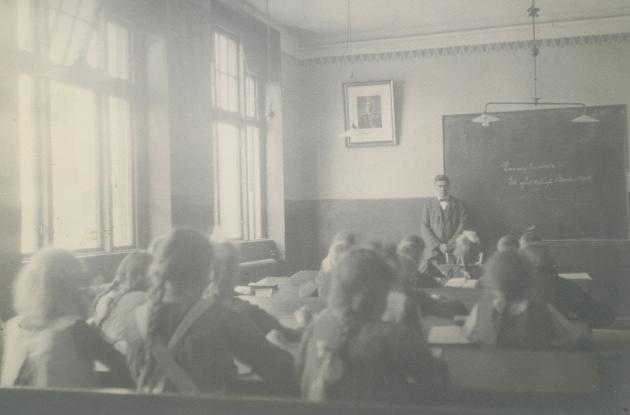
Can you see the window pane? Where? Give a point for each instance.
(25, 25)
(26, 124)
(68, 33)
(226, 73)
(222, 91)
(121, 171)
(251, 97)
(254, 190)
(229, 179)
(117, 51)
(232, 58)
(75, 202)
(232, 94)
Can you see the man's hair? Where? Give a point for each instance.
(441, 178)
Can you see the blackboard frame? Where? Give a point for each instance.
(625, 145)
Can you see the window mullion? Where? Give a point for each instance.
(244, 181)
(105, 188)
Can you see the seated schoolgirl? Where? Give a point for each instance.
(418, 302)
(223, 279)
(112, 308)
(410, 250)
(180, 342)
(528, 237)
(323, 279)
(511, 313)
(565, 295)
(508, 242)
(349, 353)
(48, 344)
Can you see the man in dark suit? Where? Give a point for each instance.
(443, 219)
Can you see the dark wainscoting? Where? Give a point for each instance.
(311, 224)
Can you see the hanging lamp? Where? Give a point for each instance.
(351, 131)
(486, 118)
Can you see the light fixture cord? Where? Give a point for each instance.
(533, 12)
(268, 33)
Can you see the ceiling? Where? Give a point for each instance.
(320, 22)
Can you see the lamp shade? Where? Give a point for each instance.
(585, 119)
(485, 119)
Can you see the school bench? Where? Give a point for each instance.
(68, 402)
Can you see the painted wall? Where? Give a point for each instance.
(379, 191)
(427, 88)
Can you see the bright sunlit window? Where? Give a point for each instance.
(237, 145)
(75, 131)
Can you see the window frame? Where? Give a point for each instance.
(29, 64)
(242, 121)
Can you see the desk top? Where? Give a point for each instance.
(473, 369)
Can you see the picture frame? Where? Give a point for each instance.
(369, 113)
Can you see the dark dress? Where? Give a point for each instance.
(575, 304)
(210, 346)
(379, 362)
(531, 329)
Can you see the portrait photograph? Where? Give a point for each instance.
(369, 112)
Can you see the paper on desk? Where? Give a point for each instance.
(575, 276)
(447, 335)
(461, 283)
(456, 282)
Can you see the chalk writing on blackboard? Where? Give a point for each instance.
(532, 175)
(530, 167)
(546, 181)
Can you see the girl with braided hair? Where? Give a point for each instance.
(179, 341)
(112, 307)
(349, 353)
(223, 279)
(48, 344)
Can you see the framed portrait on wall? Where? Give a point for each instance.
(369, 113)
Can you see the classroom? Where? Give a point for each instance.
(314, 206)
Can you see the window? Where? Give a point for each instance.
(238, 143)
(75, 128)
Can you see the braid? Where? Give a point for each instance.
(98, 298)
(130, 275)
(155, 303)
(110, 305)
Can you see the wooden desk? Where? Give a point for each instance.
(582, 279)
(522, 371)
(285, 301)
(544, 373)
(468, 296)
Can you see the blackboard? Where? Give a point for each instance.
(538, 168)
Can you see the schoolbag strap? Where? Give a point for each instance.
(173, 371)
(195, 312)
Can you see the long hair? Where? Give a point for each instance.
(131, 275)
(183, 260)
(225, 270)
(48, 286)
(361, 281)
(509, 274)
